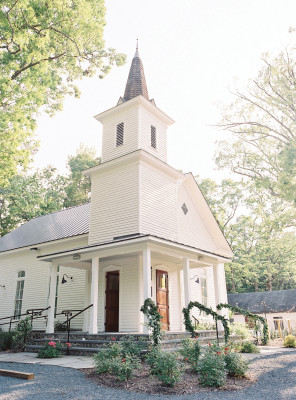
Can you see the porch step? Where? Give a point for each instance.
(85, 344)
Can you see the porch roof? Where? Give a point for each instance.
(130, 239)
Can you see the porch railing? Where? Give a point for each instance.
(70, 316)
(33, 313)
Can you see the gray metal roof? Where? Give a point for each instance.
(59, 225)
(269, 302)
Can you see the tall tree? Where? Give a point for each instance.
(262, 121)
(78, 185)
(261, 232)
(45, 45)
(44, 191)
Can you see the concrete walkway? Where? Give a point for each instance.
(76, 362)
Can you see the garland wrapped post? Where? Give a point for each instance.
(209, 311)
(246, 313)
(153, 319)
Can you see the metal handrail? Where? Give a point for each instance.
(35, 313)
(196, 321)
(68, 313)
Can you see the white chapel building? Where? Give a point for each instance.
(147, 232)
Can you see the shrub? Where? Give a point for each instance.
(51, 350)
(21, 334)
(133, 347)
(6, 340)
(164, 366)
(211, 367)
(202, 326)
(60, 327)
(248, 347)
(118, 360)
(123, 368)
(190, 351)
(240, 329)
(290, 341)
(236, 365)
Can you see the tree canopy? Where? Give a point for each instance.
(45, 45)
(45, 191)
(262, 120)
(260, 230)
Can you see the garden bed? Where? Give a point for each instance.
(143, 382)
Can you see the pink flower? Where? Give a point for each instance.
(123, 360)
(218, 352)
(186, 359)
(51, 343)
(113, 338)
(210, 344)
(68, 344)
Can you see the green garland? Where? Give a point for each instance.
(150, 311)
(249, 315)
(209, 311)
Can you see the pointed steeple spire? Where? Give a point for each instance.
(136, 82)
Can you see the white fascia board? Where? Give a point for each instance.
(137, 101)
(135, 157)
(208, 217)
(133, 245)
(44, 245)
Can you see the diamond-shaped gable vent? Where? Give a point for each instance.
(184, 208)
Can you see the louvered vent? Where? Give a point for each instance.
(119, 134)
(153, 136)
(184, 208)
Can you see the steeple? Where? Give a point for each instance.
(136, 82)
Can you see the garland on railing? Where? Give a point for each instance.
(209, 311)
(249, 315)
(150, 311)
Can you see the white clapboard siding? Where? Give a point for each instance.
(35, 285)
(114, 206)
(130, 119)
(192, 229)
(71, 294)
(211, 287)
(158, 203)
(145, 121)
(128, 268)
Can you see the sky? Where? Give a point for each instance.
(194, 52)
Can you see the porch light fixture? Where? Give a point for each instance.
(64, 280)
(2, 286)
(196, 280)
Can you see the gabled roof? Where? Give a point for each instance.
(73, 221)
(136, 82)
(265, 302)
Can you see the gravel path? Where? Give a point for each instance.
(276, 380)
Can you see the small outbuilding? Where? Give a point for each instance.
(277, 307)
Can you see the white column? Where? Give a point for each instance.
(51, 299)
(220, 289)
(93, 323)
(146, 279)
(86, 301)
(186, 279)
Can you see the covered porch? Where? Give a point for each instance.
(121, 274)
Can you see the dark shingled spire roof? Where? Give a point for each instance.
(136, 82)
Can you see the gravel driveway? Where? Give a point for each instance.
(276, 380)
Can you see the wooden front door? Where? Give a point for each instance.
(112, 301)
(162, 298)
